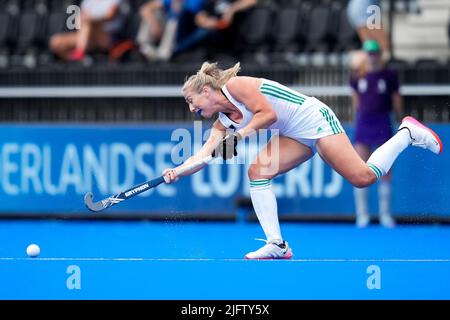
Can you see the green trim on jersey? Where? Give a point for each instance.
(331, 121)
(281, 93)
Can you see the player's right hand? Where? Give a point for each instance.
(170, 175)
(227, 147)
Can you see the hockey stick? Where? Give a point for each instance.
(134, 191)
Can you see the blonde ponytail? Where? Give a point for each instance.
(210, 75)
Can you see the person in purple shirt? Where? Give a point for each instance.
(375, 96)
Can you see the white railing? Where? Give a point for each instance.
(175, 91)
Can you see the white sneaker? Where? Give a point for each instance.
(387, 221)
(362, 220)
(421, 135)
(271, 250)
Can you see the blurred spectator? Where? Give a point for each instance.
(213, 22)
(163, 23)
(375, 95)
(100, 23)
(360, 15)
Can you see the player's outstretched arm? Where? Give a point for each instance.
(217, 133)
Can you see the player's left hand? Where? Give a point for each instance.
(227, 147)
(170, 175)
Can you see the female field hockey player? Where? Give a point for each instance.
(305, 125)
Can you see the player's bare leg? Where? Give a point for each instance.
(338, 152)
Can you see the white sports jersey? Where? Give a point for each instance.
(299, 117)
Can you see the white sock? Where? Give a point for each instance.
(265, 205)
(382, 159)
(143, 37)
(361, 197)
(384, 198)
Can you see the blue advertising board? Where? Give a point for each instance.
(49, 168)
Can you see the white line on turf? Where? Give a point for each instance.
(218, 260)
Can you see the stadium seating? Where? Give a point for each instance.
(275, 30)
(296, 33)
(345, 35)
(254, 33)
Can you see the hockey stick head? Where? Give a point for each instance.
(90, 204)
(134, 191)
